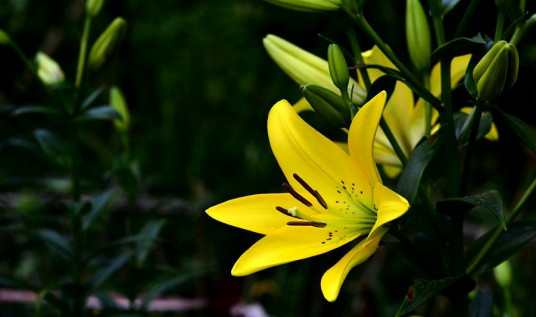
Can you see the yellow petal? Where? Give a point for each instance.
(255, 213)
(300, 149)
(375, 56)
(362, 133)
(288, 244)
(334, 277)
(457, 72)
(389, 204)
(302, 105)
(392, 171)
(493, 134)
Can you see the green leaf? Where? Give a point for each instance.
(408, 184)
(98, 113)
(469, 80)
(521, 129)
(482, 304)
(150, 231)
(92, 97)
(109, 268)
(448, 5)
(423, 290)
(489, 201)
(56, 242)
(506, 245)
(160, 288)
(54, 147)
(457, 47)
(98, 205)
(34, 110)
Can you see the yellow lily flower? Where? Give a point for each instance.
(332, 198)
(405, 118)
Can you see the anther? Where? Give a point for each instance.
(294, 194)
(285, 212)
(307, 223)
(313, 192)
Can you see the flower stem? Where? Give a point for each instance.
(83, 51)
(473, 124)
(394, 143)
(358, 58)
(466, 17)
(515, 212)
(499, 26)
(427, 107)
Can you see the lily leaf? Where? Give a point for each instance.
(489, 201)
(457, 47)
(523, 131)
(109, 268)
(448, 5)
(57, 243)
(98, 113)
(423, 290)
(506, 245)
(54, 147)
(92, 97)
(482, 304)
(150, 231)
(408, 184)
(98, 205)
(34, 109)
(160, 288)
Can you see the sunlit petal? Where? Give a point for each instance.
(389, 205)
(255, 213)
(300, 149)
(288, 244)
(457, 72)
(334, 277)
(362, 133)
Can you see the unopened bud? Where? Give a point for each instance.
(306, 68)
(503, 274)
(338, 69)
(93, 7)
(4, 38)
(118, 103)
(48, 70)
(327, 104)
(496, 71)
(418, 35)
(308, 5)
(107, 42)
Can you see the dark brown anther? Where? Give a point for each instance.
(294, 194)
(313, 192)
(307, 223)
(285, 212)
(320, 200)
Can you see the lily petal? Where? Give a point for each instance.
(362, 133)
(300, 149)
(255, 213)
(288, 244)
(458, 66)
(302, 105)
(334, 277)
(389, 204)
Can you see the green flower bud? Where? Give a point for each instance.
(4, 38)
(48, 70)
(106, 43)
(337, 67)
(308, 5)
(503, 274)
(418, 35)
(496, 71)
(93, 7)
(305, 68)
(117, 102)
(327, 104)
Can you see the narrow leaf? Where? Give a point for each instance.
(57, 243)
(408, 184)
(423, 290)
(523, 131)
(110, 267)
(506, 245)
(448, 5)
(98, 113)
(98, 205)
(54, 147)
(161, 288)
(150, 231)
(92, 97)
(34, 110)
(489, 201)
(482, 304)
(457, 47)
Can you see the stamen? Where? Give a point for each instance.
(294, 194)
(307, 223)
(285, 212)
(313, 192)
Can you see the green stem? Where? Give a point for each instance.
(83, 51)
(499, 26)
(427, 107)
(474, 124)
(365, 27)
(358, 58)
(466, 17)
(394, 143)
(515, 212)
(435, 6)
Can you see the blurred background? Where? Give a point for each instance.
(199, 86)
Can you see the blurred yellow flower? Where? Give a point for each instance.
(332, 198)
